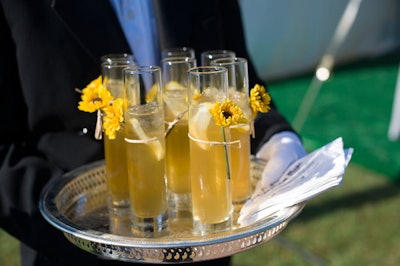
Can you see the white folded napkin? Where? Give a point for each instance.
(305, 178)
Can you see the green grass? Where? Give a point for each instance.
(355, 224)
(9, 250)
(356, 103)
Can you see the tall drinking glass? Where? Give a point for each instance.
(208, 56)
(178, 52)
(211, 187)
(238, 92)
(175, 80)
(114, 149)
(145, 147)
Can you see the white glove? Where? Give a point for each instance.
(279, 152)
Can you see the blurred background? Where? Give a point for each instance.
(289, 38)
(356, 46)
(333, 68)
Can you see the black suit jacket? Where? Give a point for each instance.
(49, 48)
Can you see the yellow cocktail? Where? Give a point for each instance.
(209, 152)
(241, 179)
(238, 92)
(211, 188)
(177, 159)
(116, 172)
(145, 149)
(115, 162)
(114, 149)
(145, 159)
(177, 142)
(240, 163)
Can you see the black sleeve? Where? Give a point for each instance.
(24, 170)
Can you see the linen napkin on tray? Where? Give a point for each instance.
(307, 177)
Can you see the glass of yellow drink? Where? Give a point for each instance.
(240, 165)
(211, 187)
(174, 72)
(238, 92)
(145, 147)
(114, 149)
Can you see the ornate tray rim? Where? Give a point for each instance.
(110, 245)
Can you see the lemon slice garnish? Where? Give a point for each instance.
(154, 143)
(151, 94)
(174, 86)
(199, 124)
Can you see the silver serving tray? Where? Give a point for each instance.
(76, 205)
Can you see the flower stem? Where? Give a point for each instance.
(98, 134)
(228, 171)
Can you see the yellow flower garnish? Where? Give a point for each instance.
(197, 95)
(259, 100)
(151, 94)
(94, 97)
(113, 116)
(227, 113)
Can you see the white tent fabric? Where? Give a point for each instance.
(394, 125)
(288, 37)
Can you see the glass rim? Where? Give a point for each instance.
(178, 59)
(206, 70)
(178, 48)
(142, 69)
(218, 51)
(117, 55)
(119, 63)
(229, 61)
(178, 51)
(117, 58)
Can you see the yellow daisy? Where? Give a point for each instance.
(259, 100)
(197, 95)
(113, 116)
(227, 113)
(94, 97)
(151, 95)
